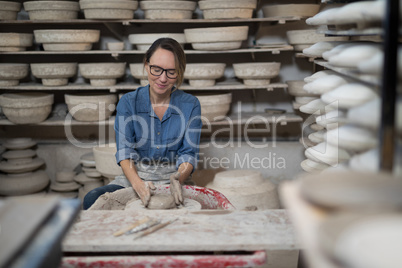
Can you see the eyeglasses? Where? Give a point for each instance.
(158, 71)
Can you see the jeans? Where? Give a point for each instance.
(93, 195)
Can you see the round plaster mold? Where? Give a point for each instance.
(54, 74)
(203, 74)
(52, 10)
(115, 46)
(11, 73)
(106, 161)
(169, 10)
(25, 165)
(214, 107)
(290, 10)
(26, 108)
(221, 9)
(257, 73)
(144, 41)
(15, 41)
(9, 10)
(216, 38)
(64, 186)
(91, 107)
(67, 39)
(19, 143)
(23, 183)
(105, 9)
(102, 73)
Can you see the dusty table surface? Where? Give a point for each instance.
(204, 230)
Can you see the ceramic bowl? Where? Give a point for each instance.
(115, 46)
(11, 73)
(144, 41)
(54, 74)
(214, 107)
(15, 41)
(23, 183)
(204, 74)
(104, 9)
(256, 73)
(221, 9)
(138, 71)
(67, 39)
(169, 10)
(217, 38)
(52, 10)
(9, 10)
(106, 161)
(302, 39)
(19, 143)
(26, 108)
(21, 165)
(102, 73)
(91, 107)
(290, 10)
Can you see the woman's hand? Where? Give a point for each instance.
(143, 189)
(175, 188)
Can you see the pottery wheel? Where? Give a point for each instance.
(189, 204)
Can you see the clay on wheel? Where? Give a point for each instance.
(161, 201)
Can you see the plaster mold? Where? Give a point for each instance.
(65, 176)
(217, 38)
(91, 107)
(302, 39)
(54, 74)
(204, 74)
(102, 73)
(144, 41)
(21, 165)
(256, 73)
(290, 10)
(169, 10)
(52, 10)
(221, 9)
(64, 186)
(214, 107)
(26, 108)
(138, 71)
(106, 161)
(67, 40)
(15, 41)
(246, 189)
(9, 10)
(11, 73)
(23, 183)
(19, 143)
(105, 9)
(18, 154)
(115, 46)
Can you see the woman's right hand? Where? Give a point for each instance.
(143, 189)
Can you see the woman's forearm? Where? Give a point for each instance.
(130, 172)
(185, 171)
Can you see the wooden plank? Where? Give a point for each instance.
(205, 230)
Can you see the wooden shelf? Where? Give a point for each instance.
(306, 220)
(236, 119)
(273, 50)
(352, 73)
(356, 32)
(224, 86)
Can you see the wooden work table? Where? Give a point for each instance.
(204, 230)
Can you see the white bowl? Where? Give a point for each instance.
(302, 39)
(326, 83)
(11, 73)
(26, 108)
(91, 107)
(105, 160)
(217, 38)
(256, 73)
(351, 56)
(204, 74)
(214, 107)
(115, 46)
(327, 154)
(144, 41)
(52, 10)
(138, 71)
(54, 74)
(67, 40)
(102, 73)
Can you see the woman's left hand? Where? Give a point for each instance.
(175, 188)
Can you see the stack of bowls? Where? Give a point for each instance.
(15, 41)
(217, 38)
(52, 10)
(26, 108)
(21, 176)
(9, 10)
(169, 10)
(104, 9)
(91, 107)
(222, 9)
(54, 74)
(11, 73)
(67, 40)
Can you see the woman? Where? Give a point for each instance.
(157, 128)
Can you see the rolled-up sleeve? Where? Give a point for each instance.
(189, 151)
(125, 134)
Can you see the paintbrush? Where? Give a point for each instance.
(153, 229)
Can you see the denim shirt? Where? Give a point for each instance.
(142, 136)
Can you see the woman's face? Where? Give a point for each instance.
(162, 84)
